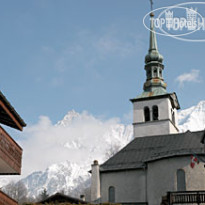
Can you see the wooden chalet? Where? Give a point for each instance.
(10, 151)
(6, 200)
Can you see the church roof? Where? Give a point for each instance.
(157, 95)
(142, 150)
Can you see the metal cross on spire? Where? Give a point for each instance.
(151, 2)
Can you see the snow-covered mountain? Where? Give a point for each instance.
(63, 177)
(193, 118)
(73, 177)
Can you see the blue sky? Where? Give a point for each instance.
(56, 56)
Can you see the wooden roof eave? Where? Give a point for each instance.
(11, 118)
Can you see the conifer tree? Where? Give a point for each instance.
(44, 195)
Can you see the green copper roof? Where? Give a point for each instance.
(153, 54)
(154, 92)
(154, 84)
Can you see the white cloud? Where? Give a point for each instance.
(88, 48)
(110, 44)
(68, 56)
(128, 117)
(48, 50)
(192, 76)
(57, 81)
(82, 140)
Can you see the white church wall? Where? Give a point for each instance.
(173, 128)
(129, 185)
(95, 182)
(195, 178)
(158, 127)
(162, 177)
(176, 117)
(152, 128)
(163, 105)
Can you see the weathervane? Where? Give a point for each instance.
(151, 2)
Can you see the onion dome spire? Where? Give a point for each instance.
(154, 84)
(153, 53)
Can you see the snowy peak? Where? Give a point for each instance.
(77, 140)
(193, 118)
(59, 177)
(75, 118)
(68, 118)
(84, 138)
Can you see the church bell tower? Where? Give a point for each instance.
(155, 110)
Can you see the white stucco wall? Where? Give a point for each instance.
(129, 185)
(162, 177)
(176, 117)
(153, 128)
(163, 104)
(151, 184)
(95, 182)
(162, 126)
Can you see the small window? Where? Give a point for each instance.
(155, 112)
(155, 72)
(149, 74)
(160, 73)
(111, 194)
(173, 116)
(181, 180)
(146, 114)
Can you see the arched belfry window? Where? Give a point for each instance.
(181, 180)
(160, 72)
(111, 194)
(155, 73)
(149, 74)
(173, 116)
(155, 112)
(146, 114)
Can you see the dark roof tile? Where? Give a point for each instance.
(145, 149)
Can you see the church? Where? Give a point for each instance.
(158, 159)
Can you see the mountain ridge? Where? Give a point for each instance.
(72, 177)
